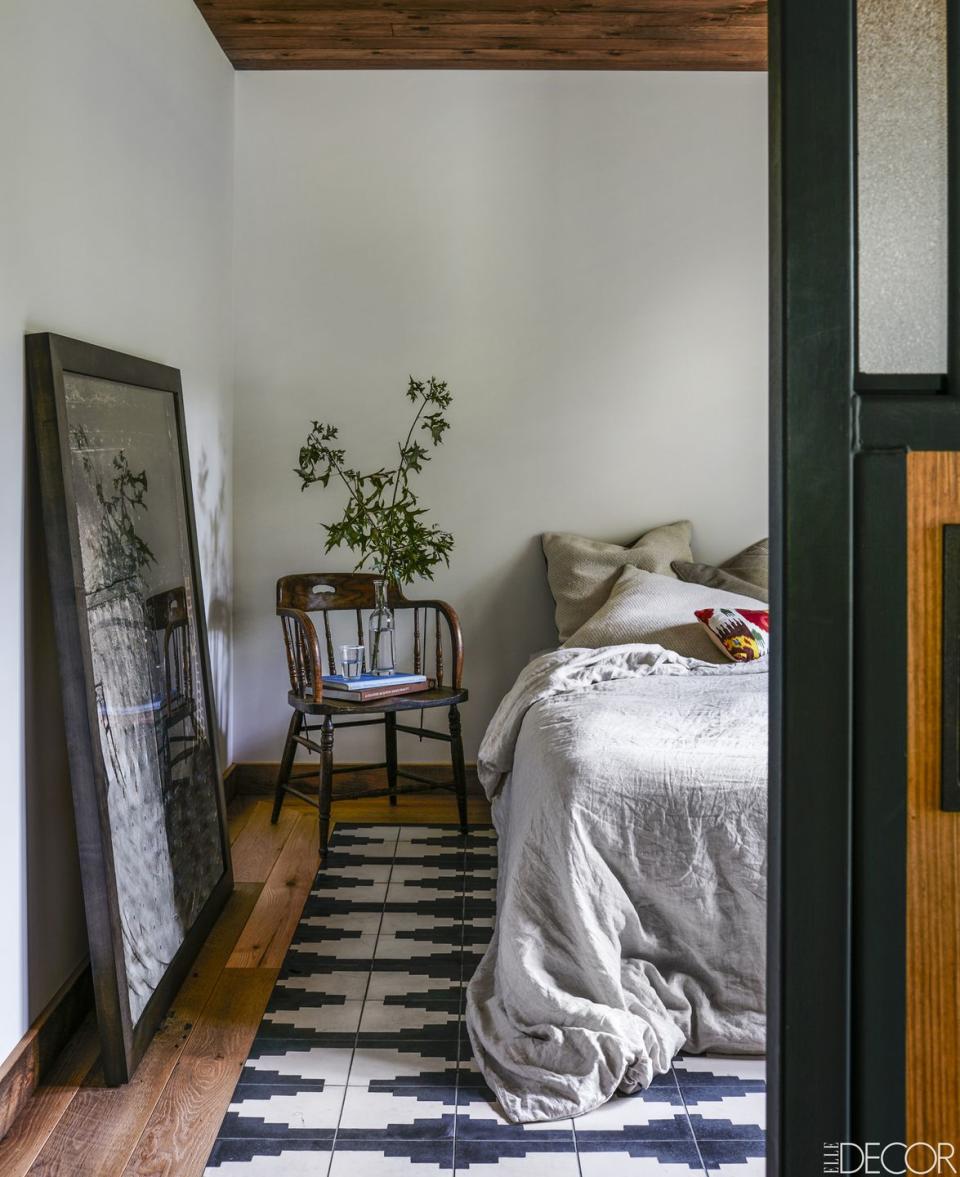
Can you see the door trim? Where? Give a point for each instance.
(811, 725)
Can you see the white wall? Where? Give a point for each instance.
(116, 135)
(583, 256)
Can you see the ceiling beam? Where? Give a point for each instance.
(503, 34)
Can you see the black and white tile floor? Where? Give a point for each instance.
(362, 1065)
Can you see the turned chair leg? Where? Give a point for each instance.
(286, 763)
(326, 783)
(459, 768)
(390, 727)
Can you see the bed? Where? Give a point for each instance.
(629, 793)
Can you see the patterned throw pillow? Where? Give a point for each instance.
(742, 634)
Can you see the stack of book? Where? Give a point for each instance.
(369, 687)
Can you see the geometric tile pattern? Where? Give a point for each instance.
(362, 1065)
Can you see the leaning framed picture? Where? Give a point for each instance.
(131, 635)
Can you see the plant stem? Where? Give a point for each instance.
(400, 468)
(357, 495)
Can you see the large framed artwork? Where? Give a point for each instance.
(134, 667)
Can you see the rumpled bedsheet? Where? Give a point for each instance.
(630, 797)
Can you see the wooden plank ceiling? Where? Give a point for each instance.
(501, 34)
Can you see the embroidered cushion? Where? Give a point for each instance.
(742, 634)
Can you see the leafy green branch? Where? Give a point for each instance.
(383, 522)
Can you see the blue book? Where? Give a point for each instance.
(367, 682)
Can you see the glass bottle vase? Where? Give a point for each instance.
(381, 632)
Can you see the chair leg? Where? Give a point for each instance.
(459, 768)
(286, 763)
(326, 784)
(390, 729)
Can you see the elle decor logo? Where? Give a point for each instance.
(920, 1159)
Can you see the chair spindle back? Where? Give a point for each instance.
(301, 594)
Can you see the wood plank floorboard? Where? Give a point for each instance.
(259, 843)
(165, 1120)
(44, 1110)
(181, 1131)
(429, 808)
(239, 812)
(101, 1125)
(265, 938)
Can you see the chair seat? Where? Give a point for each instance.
(436, 697)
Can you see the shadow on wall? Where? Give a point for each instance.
(211, 511)
(56, 930)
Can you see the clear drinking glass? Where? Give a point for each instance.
(351, 661)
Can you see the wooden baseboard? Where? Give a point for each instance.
(30, 1060)
(230, 782)
(258, 779)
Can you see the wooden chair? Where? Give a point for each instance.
(166, 614)
(331, 592)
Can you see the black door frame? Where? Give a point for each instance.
(811, 508)
(838, 756)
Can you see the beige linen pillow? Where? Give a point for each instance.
(581, 572)
(748, 572)
(645, 607)
(716, 577)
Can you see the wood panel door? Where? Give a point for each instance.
(933, 835)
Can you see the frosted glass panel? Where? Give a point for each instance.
(902, 185)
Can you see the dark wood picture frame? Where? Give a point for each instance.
(48, 358)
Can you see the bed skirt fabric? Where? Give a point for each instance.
(629, 789)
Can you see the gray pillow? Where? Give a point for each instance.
(581, 572)
(748, 572)
(645, 607)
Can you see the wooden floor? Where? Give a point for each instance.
(165, 1120)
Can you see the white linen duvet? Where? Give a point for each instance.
(629, 794)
